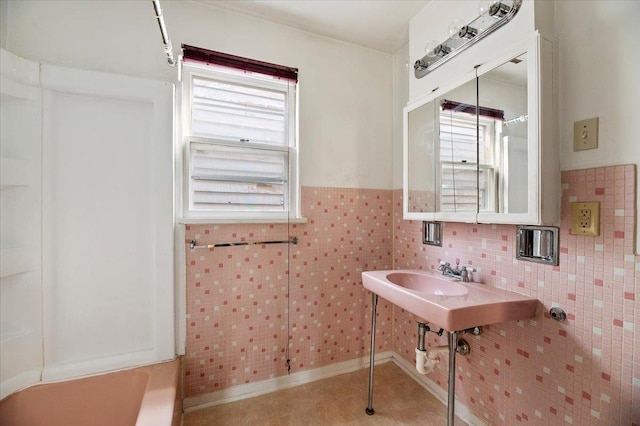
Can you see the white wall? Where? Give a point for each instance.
(400, 98)
(599, 68)
(4, 11)
(345, 90)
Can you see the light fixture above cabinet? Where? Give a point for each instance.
(493, 15)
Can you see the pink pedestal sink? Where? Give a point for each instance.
(451, 304)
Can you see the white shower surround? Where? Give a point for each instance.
(107, 226)
(107, 221)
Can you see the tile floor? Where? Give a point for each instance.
(340, 400)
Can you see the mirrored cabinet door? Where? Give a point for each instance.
(457, 152)
(525, 146)
(421, 129)
(484, 150)
(504, 148)
(440, 156)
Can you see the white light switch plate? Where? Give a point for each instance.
(585, 134)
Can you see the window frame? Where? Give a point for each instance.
(185, 138)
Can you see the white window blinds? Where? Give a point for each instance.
(235, 112)
(230, 178)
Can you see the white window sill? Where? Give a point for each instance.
(199, 221)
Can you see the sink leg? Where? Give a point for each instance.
(453, 347)
(374, 306)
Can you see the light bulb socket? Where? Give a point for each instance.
(420, 65)
(442, 50)
(499, 10)
(467, 32)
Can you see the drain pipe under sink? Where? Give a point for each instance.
(426, 361)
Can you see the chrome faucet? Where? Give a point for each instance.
(463, 274)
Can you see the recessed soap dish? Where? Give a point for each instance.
(538, 244)
(432, 233)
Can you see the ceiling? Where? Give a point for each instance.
(377, 24)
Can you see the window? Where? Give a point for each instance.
(467, 184)
(239, 132)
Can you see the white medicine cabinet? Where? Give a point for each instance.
(483, 149)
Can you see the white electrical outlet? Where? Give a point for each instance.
(585, 218)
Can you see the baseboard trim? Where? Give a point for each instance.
(250, 390)
(461, 410)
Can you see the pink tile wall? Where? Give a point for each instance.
(237, 296)
(585, 370)
(236, 307)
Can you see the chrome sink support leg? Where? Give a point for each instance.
(453, 348)
(374, 306)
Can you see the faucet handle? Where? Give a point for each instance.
(465, 273)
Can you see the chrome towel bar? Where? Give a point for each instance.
(193, 245)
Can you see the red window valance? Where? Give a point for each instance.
(198, 54)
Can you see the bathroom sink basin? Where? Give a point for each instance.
(451, 304)
(426, 284)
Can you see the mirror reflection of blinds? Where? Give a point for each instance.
(227, 111)
(458, 189)
(463, 181)
(458, 186)
(458, 139)
(226, 177)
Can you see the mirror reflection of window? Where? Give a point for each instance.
(476, 136)
(468, 133)
(505, 87)
(456, 150)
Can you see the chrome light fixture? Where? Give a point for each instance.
(493, 16)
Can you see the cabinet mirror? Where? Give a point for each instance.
(502, 91)
(420, 176)
(472, 151)
(441, 153)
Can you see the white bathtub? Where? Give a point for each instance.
(144, 396)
